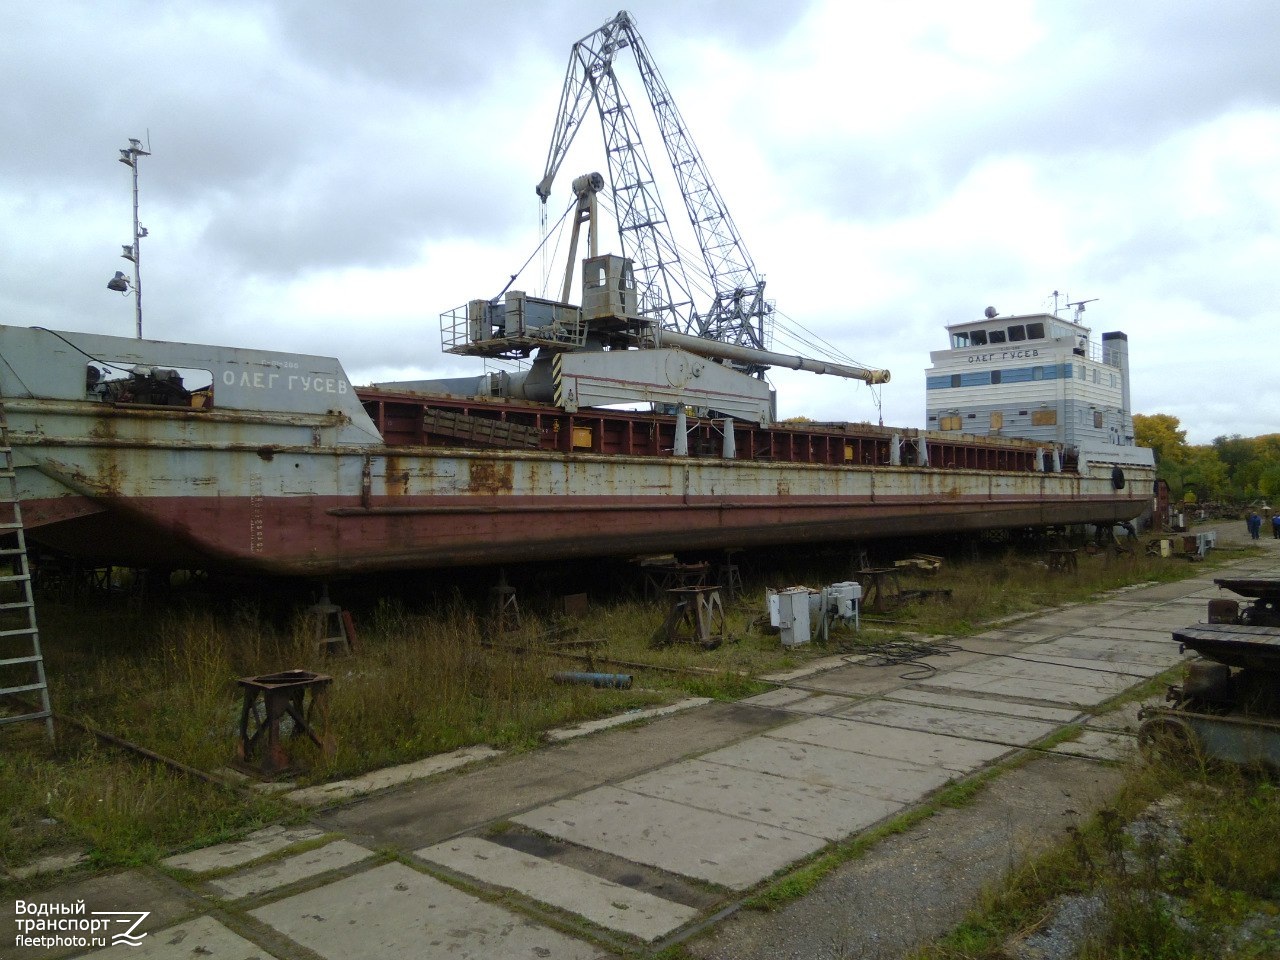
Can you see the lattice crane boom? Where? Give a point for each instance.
(739, 312)
(665, 293)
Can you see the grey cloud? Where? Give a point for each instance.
(456, 47)
(314, 134)
(1111, 78)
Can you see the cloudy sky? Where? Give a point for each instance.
(329, 177)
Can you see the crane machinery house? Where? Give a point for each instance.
(1037, 377)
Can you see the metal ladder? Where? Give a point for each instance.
(21, 662)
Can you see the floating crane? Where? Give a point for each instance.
(637, 336)
(739, 313)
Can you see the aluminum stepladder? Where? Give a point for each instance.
(21, 661)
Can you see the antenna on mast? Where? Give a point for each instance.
(1079, 305)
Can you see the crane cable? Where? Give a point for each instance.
(542, 243)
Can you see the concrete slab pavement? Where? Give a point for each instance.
(957, 754)
(131, 890)
(394, 912)
(897, 779)
(765, 798)
(980, 704)
(1099, 745)
(607, 904)
(717, 848)
(422, 814)
(1110, 650)
(290, 870)
(202, 937)
(326, 793)
(1009, 730)
(1029, 687)
(262, 843)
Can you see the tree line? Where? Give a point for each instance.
(1235, 468)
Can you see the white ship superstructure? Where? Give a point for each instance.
(1038, 377)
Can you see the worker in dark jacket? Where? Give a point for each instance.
(1254, 523)
(1275, 526)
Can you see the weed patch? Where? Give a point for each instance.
(124, 812)
(1180, 883)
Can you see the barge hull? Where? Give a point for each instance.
(282, 469)
(324, 536)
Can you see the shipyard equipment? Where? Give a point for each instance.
(738, 312)
(798, 611)
(177, 455)
(1228, 705)
(638, 336)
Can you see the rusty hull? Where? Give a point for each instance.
(325, 510)
(287, 474)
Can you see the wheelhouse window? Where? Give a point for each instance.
(997, 336)
(1017, 332)
(149, 386)
(1035, 331)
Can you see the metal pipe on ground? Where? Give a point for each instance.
(592, 659)
(616, 681)
(175, 765)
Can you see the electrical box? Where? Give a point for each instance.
(792, 615)
(582, 438)
(845, 596)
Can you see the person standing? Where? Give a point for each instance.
(1275, 526)
(1254, 523)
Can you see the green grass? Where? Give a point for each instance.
(1020, 583)
(122, 811)
(420, 685)
(1179, 901)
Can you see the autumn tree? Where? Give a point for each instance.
(1204, 473)
(1163, 434)
(1230, 468)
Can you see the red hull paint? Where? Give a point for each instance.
(329, 535)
